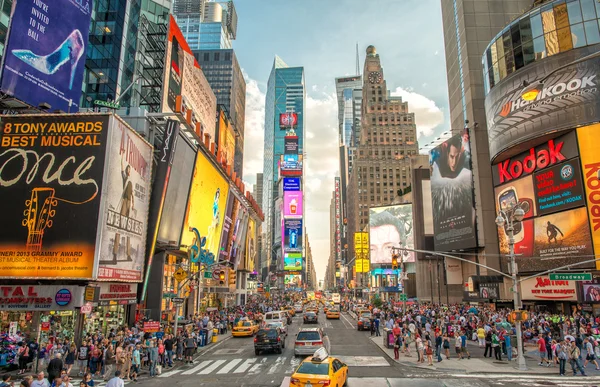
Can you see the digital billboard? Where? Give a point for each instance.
(452, 194)
(591, 292)
(293, 280)
(292, 203)
(51, 174)
(292, 262)
(250, 252)
(126, 198)
(291, 184)
(226, 138)
(338, 219)
(290, 165)
(517, 191)
(559, 188)
(390, 226)
(292, 235)
(590, 167)
(186, 79)
(290, 145)
(45, 52)
(206, 205)
(288, 120)
(224, 249)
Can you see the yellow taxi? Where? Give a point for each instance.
(290, 310)
(332, 313)
(244, 328)
(320, 370)
(313, 309)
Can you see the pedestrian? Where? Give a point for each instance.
(420, 349)
(463, 347)
(561, 353)
(152, 357)
(496, 346)
(54, 367)
(6, 381)
(509, 348)
(574, 354)
(136, 362)
(41, 381)
(397, 344)
(429, 353)
(481, 336)
(446, 346)
(83, 356)
(438, 346)
(116, 381)
(23, 354)
(87, 379)
(377, 333)
(190, 347)
(590, 354)
(488, 344)
(109, 362)
(169, 350)
(70, 357)
(543, 352)
(458, 346)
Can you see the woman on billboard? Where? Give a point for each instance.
(212, 229)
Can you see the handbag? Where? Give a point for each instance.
(159, 369)
(429, 351)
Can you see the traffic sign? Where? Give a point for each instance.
(571, 276)
(178, 300)
(208, 274)
(215, 274)
(403, 297)
(108, 104)
(180, 275)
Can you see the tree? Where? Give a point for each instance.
(376, 301)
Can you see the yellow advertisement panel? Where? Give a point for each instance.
(590, 167)
(206, 207)
(251, 246)
(226, 138)
(366, 265)
(359, 265)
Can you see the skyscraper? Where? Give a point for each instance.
(469, 26)
(206, 25)
(285, 93)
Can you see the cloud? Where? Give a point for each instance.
(427, 114)
(254, 130)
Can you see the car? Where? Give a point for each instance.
(244, 328)
(320, 369)
(325, 308)
(365, 314)
(311, 317)
(313, 309)
(278, 325)
(332, 313)
(364, 323)
(269, 339)
(308, 340)
(298, 308)
(289, 310)
(278, 315)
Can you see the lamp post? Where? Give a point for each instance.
(507, 219)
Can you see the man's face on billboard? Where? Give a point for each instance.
(383, 238)
(453, 155)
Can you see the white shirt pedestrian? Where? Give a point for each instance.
(115, 382)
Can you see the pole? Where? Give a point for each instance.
(439, 284)
(513, 266)
(403, 274)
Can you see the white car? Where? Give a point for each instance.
(279, 325)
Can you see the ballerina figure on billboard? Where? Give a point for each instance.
(212, 229)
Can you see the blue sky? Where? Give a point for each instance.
(321, 35)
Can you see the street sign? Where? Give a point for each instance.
(178, 300)
(208, 274)
(110, 105)
(570, 276)
(215, 274)
(403, 297)
(180, 275)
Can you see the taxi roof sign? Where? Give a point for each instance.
(320, 354)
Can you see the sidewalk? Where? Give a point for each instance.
(480, 365)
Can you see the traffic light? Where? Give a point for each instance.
(232, 277)
(518, 315)
(394, 261)
(222, 277)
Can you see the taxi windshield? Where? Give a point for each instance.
(247, 324)
(308, 336)
(313, 368)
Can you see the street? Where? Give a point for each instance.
(232, 362)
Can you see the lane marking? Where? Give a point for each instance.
(276, 365)
(212, 367)
(229, 366)
(245, 365)
(170, 373)
(197, 368)
(345, 319)
(256, 368)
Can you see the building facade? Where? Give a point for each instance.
(207, 25)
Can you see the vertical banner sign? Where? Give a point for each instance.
(338, 221)
(590, 167)
(250, 252)
(159, 187)
(45, 56)
(226, 230)
(126, 199)
(51, 176)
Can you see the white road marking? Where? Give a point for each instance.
(229, 366)
(346, 322)
(276, 365)
(168, 374)
(256, 368)
(364, 361)
(245, 365)
(197, 368)
(212, 367)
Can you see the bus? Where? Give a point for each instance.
(336, 298)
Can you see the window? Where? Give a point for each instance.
(217, 57)
(536, 26)
(578, 35)
(591, 32)
(574, 12)
(206, 56)
(588, 9)
(539, 48)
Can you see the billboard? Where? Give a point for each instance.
(291, 184)
(542, 288)
(250, 252)
(126, 195)
(226, 138)
(186, 79)
(206, 205)
(288, 120)
(292, 235)
(361, 251)
(224, 247)
(290, 144)
(237, 237)
(45, 52)
(390, 226)
(452, 194)
(559, 188)
(293, 280)
(290, 165)
(292, 204)
(590, 167)
(338, 220)
(591, 292)
(517, 191)
(51, 174)
(292, 261)
(570, 98)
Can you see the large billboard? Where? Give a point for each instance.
(361, 251)
(45, 54)
(292, 204)
(51, 174)
(290, 144)
(288, 120)
(338, 219)
(292, 235)
(183, 77)
(206, 205)
(226, 138)
(391, 226)
(250, 252)
(568, 98)
(292, 262)
(291, 184)
(452, 194)
(126, 197)
(290, 165)
(224, 247)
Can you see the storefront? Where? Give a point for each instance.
(543, 294)
(108, 306)
(43, 312)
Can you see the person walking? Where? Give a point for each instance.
(574, 354)
(481, 336)
(543, 351)
(23, 353)
(190, 347)
(488, 344)
(41, 381)
(54, 367)
(590, 355)
(429, 352)
(136, 362)
(420, 349)
(83, 356)
(463, 345)
(496, 346)
(438, 346)
(458, 346)
(70, 353)
(377, 333)
(110, 360)
(397, 344)
(169, 350)
(116, 381)
(152, 357)
(561, 353)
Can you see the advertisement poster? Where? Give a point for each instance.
(290, 145)
(591, 292)
(517, 191)
(291, 165)
(185, 76)
(288, 120)
(590, 165)
(52, 205)
(237, 242)
(452, 194)
(543, 288)
(45, 53)
(291, 184)
(127, 197)
(206, 206)
(489, 291)
(292, 262)
(293, 280)
(292, 229)
(338, 219)
(226, 138)
(41, 297)
(278, 220)
(559, 188)
(391, 226)
(250, 252)
(224, 249)
(523, 234)
(292, 203)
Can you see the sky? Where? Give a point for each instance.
(321, 36)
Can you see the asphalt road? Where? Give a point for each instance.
(232, 362)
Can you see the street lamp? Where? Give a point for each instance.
(509, 217)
